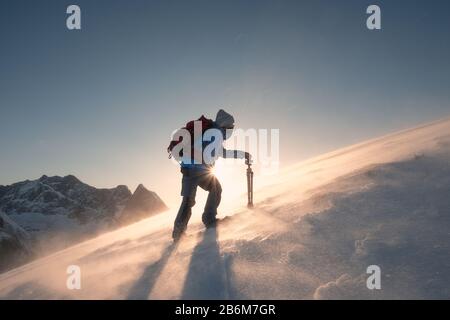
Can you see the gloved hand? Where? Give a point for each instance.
(248, 158)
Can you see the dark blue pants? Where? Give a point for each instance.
(191, 180)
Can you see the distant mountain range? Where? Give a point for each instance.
(53, 212)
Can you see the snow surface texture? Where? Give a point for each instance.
(316, 228)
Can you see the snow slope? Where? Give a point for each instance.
(318, 225)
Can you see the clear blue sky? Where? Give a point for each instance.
(101, 103)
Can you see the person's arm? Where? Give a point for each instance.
(237, 154)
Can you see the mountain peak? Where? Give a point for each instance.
(71, 178)
(142, 204)
(141, 188)
(123, 187)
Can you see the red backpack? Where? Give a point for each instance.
(206, 124)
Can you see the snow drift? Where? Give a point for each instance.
(317, 226)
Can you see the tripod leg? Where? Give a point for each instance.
(249, 187)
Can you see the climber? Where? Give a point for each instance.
(197, 172)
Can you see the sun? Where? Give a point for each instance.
(232, 177)
(225, 170)
(219, 170)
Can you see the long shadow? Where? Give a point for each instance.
(206, 278)
(142, 287)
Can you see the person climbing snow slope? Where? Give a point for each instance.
(199, 173)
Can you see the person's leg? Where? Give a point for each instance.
(188, 191)
(211, 183)
(183, 216)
